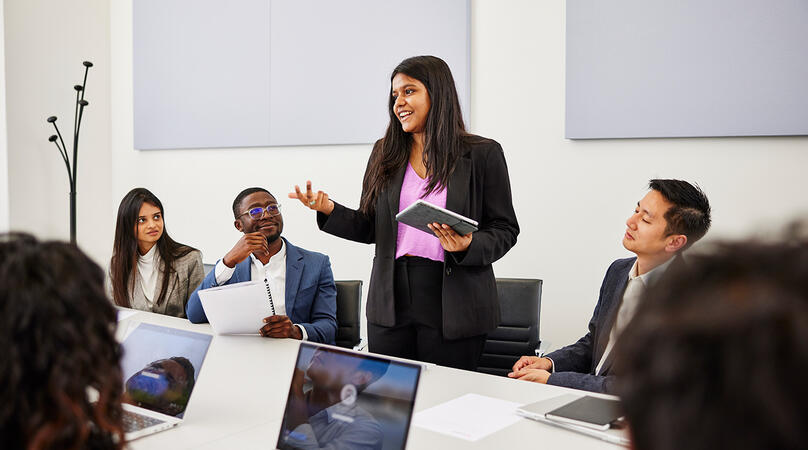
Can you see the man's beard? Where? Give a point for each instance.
(273, 237)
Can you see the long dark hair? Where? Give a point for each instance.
(125, 249)
(444, 132)
(58, 331)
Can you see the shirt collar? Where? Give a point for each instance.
(150, 255)
(280, 256)
(652, 275)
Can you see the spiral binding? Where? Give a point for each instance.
(269, 296)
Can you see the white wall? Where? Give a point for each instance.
(46, 42)
(3, 141)
(571, 197)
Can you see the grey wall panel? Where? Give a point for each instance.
(281, 72)
(661, 68)
(201, 73)
(331, 63)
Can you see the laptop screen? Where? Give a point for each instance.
(160, 366)
(343, 399)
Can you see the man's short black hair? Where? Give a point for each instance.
(237, 202)
(690, 213)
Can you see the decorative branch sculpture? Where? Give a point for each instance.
(57, 138)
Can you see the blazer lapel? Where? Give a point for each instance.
(393, 195)
(394, 192)
(136, 291)
(169, 290)
(243, 272)
(458, 189)
(616, 296)
(294, 270)
(139, 298)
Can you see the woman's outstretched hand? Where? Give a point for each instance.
(317, 201)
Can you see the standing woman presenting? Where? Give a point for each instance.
(431, 297)
(149, 270)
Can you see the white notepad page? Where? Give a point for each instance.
(238, 308)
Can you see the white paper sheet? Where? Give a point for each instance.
(238, 308)
(470, 417)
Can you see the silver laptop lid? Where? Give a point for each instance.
(347, 399)
(160, 367)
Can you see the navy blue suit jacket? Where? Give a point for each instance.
(574, 365)
(311, 295)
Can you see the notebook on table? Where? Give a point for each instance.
(160, 367)
(238, 308)
(345, 399)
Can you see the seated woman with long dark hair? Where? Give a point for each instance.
(149, 270)
(57, 332)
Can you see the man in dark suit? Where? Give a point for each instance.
(671, 217)
(300, 279)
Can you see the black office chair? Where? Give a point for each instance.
(349, 305)
(518, 332)
(208, 268)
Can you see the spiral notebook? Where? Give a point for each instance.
(238, 308)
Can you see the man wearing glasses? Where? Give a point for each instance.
(300, 279)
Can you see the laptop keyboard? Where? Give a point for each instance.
(135, 422)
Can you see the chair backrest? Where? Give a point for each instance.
(208, 268)
(349, 301)
(518, 332)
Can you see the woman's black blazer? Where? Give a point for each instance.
(479, 188)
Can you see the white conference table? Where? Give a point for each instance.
(240, 396)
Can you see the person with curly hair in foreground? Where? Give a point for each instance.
(58, 331)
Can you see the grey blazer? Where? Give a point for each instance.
(188, 274)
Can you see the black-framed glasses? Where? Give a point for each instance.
(258, 212)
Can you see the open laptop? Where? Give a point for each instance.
(543, 412)
(347, 399)
(160, 367)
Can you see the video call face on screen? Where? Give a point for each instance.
(348, 400)
(160, 366)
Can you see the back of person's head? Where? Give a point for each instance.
(57, 330)
(242, 195)
(717, 353)
(690, 211)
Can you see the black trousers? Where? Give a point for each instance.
(418, 333)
